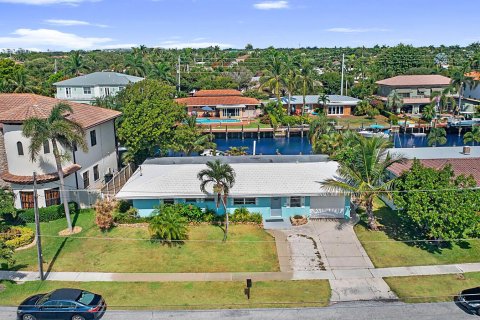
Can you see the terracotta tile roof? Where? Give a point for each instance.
(44, 178)
(215, 101)
(416, 80)
(217, 93)
(416, 100)
(468, 166)
(18, 107)
(474, 74)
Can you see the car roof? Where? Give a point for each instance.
(66, 294)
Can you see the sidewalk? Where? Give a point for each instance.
(339, 274)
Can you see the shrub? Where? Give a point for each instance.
(297, 216)
(191, 212)
(393, 119)
(242, 215)
(129, 217)
(123, 206)
(48, 214)
(6, 253)
(168, 224)
(265, 119)
(17, 237)
(104, 214)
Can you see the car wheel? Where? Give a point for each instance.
(478, 312)
(77, 317)
(28, 317)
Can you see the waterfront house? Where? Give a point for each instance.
(275, 186)
(415, 90)
(336, 105)
(87, 88)
(223, 104)
(83, 170)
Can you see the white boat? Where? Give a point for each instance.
(366, 133)
(370, 134)
(418, 134)
(212, 153)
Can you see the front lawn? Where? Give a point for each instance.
(354, 122)
(386, 249)
(432, 288)
(184, 295)
(127, 249)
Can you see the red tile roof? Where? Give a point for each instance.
(215, 101)
(416, 80)
(44, 178)
(217, 93)
(18, 107)
(468, 166)
(474, 74)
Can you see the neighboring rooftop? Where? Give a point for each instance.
(474, 74)
(416, 80)
(467, 166)
(255, 176)
(436, 153)
(18, 107)
(217, 93)
(333, 99)
(217, 98)
(100, 79)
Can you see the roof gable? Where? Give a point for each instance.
(416, 80)
(100, 78)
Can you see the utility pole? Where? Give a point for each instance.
(56, 67)
(179, 73)
(37, 227)
(343, 68)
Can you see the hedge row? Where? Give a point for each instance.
(48, 214)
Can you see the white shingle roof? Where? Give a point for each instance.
(252, 179)
(100, 79)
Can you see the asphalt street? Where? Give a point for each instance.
(344, 311)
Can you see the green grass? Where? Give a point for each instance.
(357, 121)
(185, 295)
(249, 249)
(432, 288)
(385, 249)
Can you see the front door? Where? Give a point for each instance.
(276, 207)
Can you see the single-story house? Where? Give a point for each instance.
(275, 186)
(336, 105)
(225, 103)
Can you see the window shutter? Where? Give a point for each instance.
(287, 204)
(302, 201)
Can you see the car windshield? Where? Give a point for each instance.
(43, 299)
(86, 298)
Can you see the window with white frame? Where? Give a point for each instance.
(68, 92)
(335, 110)
(295, 202)
(168, 201)
(191, 200)
(244, 201)
(209, 200)
(87, 90)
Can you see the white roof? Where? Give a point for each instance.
(436, 152)
(252, 180)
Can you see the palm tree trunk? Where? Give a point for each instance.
(372, 223)
(460, 91)
(224, 202)
(289, 111)
(63, 195)
(304, 94)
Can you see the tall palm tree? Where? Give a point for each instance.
(460, 81)
(274, 78)
(19, 82)
(443, 100)
(323, 99)
(222, 178)
(291, 84)
(75, 63)
(366, 176)
(192, 139)
(437, 136)
(58, 129)
(429, 113)
(134, 64)
(472, 136)
(163, 71)
(307, 79)
(394, 101)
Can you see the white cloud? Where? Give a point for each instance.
(70, 23)
(54, 39)
(192, 44)
(356, 30)
(271, 5)
(47, 2)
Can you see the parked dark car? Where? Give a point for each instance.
(470, 300)
(62, 304)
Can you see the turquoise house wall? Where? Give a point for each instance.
(290, 212)
(262, 206)
(145, 207)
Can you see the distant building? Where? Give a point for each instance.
(473, 92)
(85, 89)
(416, 90)
(336, 105)
(83, 170)
(225, 103)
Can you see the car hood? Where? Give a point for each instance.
(30, 301)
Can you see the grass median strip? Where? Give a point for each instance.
(432, 288)
(189, 295)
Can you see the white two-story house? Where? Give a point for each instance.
(85, 89)
(83, 170)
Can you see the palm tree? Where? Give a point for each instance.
(163, 71)
(394, 101)
(306, 76)
(222, 178)
(428, 113)
(323, 99)
(437, 136)
(75, 63)
(59, 130)
(291, 84)
(192, 138)
(460, 81)
(472, 136)
(443, 100)
(135, 65)
(274, 78)
(168, 224)
(327, 143)
(366, 176)
(19, 82)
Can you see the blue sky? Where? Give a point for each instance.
(97, 24)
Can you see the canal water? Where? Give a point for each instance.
(298, 145)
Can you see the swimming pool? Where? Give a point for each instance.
(216, 121)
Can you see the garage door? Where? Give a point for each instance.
(327, 207)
